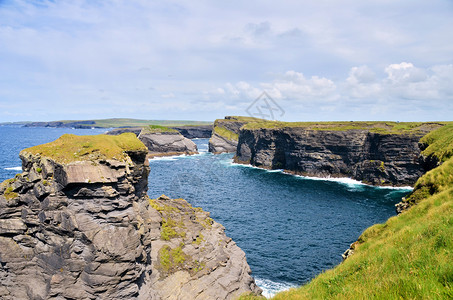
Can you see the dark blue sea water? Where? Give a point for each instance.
(291, 228)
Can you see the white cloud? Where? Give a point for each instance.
(59, 54)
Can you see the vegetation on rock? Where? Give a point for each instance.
(157, 129)
(407, 257)
(377, 127)
(70, 147)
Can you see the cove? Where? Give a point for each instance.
(290, 227)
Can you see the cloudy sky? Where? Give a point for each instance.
(202, 60)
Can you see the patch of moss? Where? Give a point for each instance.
(171, 260)
(70, 147)
(9, 194)
(199, 240)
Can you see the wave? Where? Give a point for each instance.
(165, 158)
(270, 288)
(352, 183)
(14, 169)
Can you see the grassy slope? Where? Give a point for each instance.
(70, 147)
(220, 126)
(378, 126)
(408, 257)
(158, 129)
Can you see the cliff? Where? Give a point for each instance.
(195, 131)
(374, 153)
(160, 140)
(77, 224)
(225, 133)
(407, 257)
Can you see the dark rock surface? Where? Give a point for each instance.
(375, 158)
(87, 230)
(161, 143)
(195, 132)
(167, 143)
(225, 135)
(118, 131)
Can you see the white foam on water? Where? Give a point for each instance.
(270, 288)
(14, 169)
(165, 158)
(352, 183)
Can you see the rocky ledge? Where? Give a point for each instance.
(194, 131)
(78, 224)
(160, 140)
(225, 134)
(370, 156)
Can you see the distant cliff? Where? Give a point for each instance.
(375, 153)
(195, 131)
(77, 224)
(225, 133)
(160, 140)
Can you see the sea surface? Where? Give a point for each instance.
(290, 227)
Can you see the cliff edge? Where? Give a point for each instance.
(225, 133)
(377, 153)
(78, 224)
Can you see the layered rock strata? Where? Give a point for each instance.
(225, 134)
(374, 158)
(194, 132)
(161, 143)
(77, 224)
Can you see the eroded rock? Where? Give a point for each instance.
(84, 228)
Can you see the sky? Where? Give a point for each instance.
(203, 60)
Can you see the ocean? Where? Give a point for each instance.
(290, 227)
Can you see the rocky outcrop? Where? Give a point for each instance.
(80, 226)
(167, 143)
(374, 158)
(161, 142)
(225, 134)
(195, 131)
(118, 131)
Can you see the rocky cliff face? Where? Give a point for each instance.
(225, 134)
(162, 143)
(167, 143)
(195, 132)
(79, 225)
(375, 158)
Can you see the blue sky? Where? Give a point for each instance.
(202, 60)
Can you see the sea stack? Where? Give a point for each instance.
(78, 224)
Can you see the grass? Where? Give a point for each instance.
(439, 142)
(171, 260)
(9, 194)
(158, 129)
(409, 256)
(377, 127)
(222, 131)
(71, 147)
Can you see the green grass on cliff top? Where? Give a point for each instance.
(70, 147)
(158, 129)
(377, 126)
(440, 142)
(408, 257)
